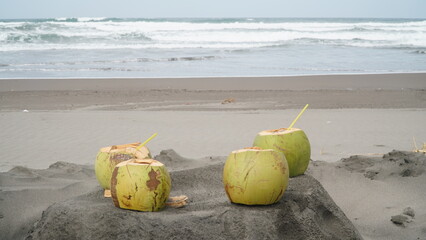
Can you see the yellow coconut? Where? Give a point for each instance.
(142, 185)
(110, 156)
(293, 142)
(255, 176)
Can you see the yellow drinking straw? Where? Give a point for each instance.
(149, 139)
(298, 116)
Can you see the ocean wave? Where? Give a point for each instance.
(132, 36)
(40, 38)
(116, 33)
(104, 46)
(377, 30)
(26, 27)
(71, 37)
(191, 58)
(221, 24)
(80, 19)
(419, 52)
(40, 65)
(229, 47)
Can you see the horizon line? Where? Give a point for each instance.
(33, 18)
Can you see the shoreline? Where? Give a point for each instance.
(390, 91)
(232, 76)
(391, 81)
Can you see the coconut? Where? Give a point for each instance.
(255, 176)
(293, 142)
(110, 156)
(142, 185)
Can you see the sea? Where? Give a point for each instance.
(186, 47)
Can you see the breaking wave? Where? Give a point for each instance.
(115, 33)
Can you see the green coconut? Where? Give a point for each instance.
(255, 176)
(110, 156)
(293, 142)
(142, 185)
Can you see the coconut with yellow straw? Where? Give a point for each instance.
(110, 156)
(293, 142)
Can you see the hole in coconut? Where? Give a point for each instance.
(277, 130)
(122, 156)
(126, 152)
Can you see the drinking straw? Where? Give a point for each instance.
(415, 144)
(149, 139)
(298, 116)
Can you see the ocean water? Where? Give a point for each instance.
(116, 47)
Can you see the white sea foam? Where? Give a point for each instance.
(80, 19)
(85, 33)
(88, 19)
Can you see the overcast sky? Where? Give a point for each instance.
(212, 8)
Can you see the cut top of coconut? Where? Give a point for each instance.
(253, 149)
(279, 131)
(119, 147)
(151, 162)
(129, 149)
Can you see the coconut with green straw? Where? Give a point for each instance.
(291, 141)
(109, 157)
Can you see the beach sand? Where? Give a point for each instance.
(306, 212)
(44, 121)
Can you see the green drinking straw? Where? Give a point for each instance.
(298, 116)
(149, 139)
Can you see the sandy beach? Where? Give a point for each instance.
(45, 121)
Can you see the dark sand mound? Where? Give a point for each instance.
(175, 162)
(26, 192)
(305, 212)
(62, 170)
(393, 164)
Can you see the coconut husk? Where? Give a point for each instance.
(107, 193)
(177, 202)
